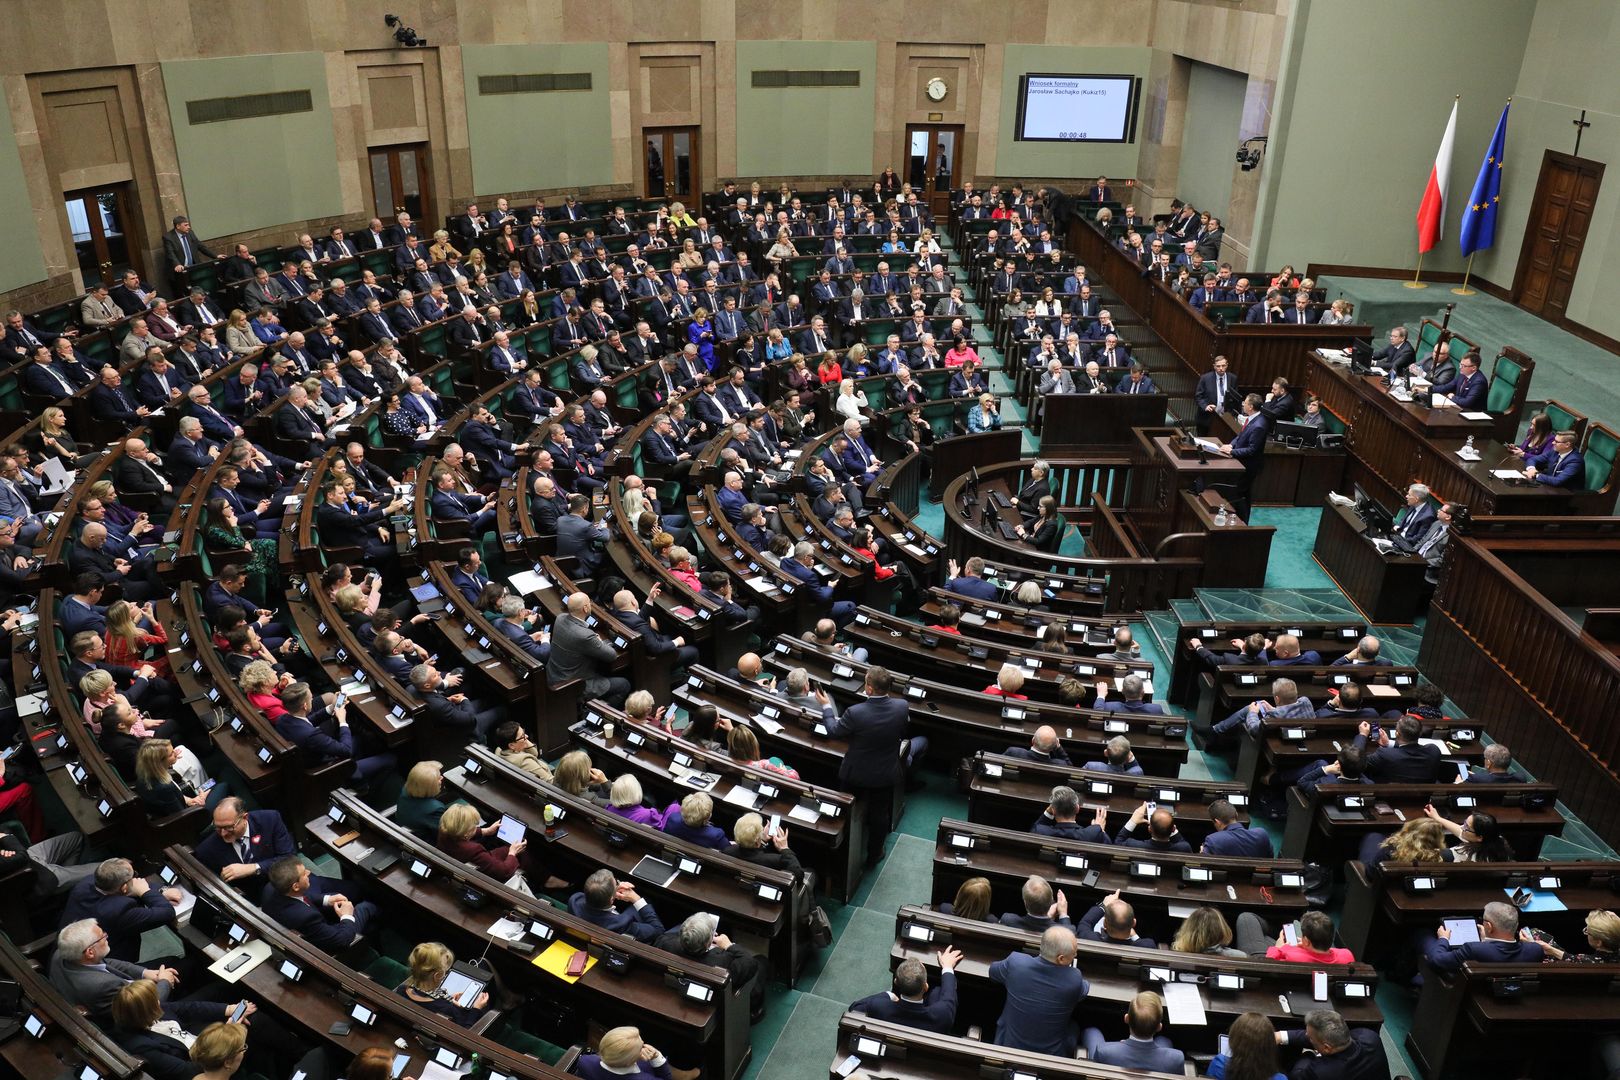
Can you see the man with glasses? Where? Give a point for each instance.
(243, 845)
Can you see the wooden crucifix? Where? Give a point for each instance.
(1580, 129)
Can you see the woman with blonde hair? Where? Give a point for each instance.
(690, 258)
(461, 837)
(680, 565)
(134, 638)
(476, 264)
(799, 376)
(972, 901)
(782, 249)
(622, 1055)
(1206, 933)
(51, 438)
(850, 401)
(429, 967)
(419, 807)
(743, 746)
(239, 336)
(578, 777)
(441, 249)
(161, 791)
(219, 1050)
(1421, 840)
(1602, 936)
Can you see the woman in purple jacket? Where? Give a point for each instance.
(625, 796)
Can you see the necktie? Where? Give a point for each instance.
(59, 380)
(1220, 393)
(243, 849)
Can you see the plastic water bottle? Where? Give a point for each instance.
(1220, 517)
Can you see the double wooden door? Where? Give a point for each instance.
(1556, 234)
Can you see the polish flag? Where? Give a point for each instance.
(1431, 215)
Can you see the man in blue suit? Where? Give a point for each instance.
(1114, 921)
(1145, 1048)
(912, 1002)
(449, 505)
(1419, 517)
(801, 567)
(468, 576)
(970, 581)
(1118, 757)
(322, 747)
(599, 903)
(242, 846)
(876, 758)
(1137, 382)
(1231, 837)
(1131, 689)
(1249, 449)
(1561, 465)
(123, 903)
(1465, 391)
(642, 620)
(1042, 993)
(1499, 942)
(1285, 653)
(330, 921)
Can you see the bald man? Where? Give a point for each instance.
(578, 653)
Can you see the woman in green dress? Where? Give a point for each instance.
(224, 534)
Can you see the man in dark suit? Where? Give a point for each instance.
(44, 379)
(1216, 393)
(912, 1002)
(1419, 517)
(468, 575)
(1468, 389)
(242, 846)
(123, 903)
(1232, 837)
(878, 752)
(1408, 761)
(447, 504)
(643, 620)
(1342, 1052)
(296, 423)
(1043, 907)
(1398, 355)
(599, 901)
(1145, 1048)
(331, 740)
(1560, 465)
(1137, 382)
(1042, 993)
(1499, 943)
(1117, 920)
(580, 538)
(1249, 450)
(330, 921)
(969, 581)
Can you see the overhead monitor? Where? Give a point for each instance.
(1077, 108)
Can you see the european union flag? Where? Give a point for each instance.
(1479, 216)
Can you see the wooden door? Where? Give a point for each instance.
(103, 225)
(1555, 234)
(401, 180)
(669, 166)
(933, 162)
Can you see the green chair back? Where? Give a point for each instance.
(1602, 449)
(1504, 382)
(1565, 418)
(1428, 337)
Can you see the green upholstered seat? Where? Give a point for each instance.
(1565, 418)
(1602, 450)
(1504, 381)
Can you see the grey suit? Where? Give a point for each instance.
(1062, 384)
(581, 538)
(95, 987)
(268, 295)
(577, 653)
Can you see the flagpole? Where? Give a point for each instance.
(1415, 283)
(1463, 289)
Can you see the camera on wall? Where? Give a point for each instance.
(1249, 154)
(404, 35)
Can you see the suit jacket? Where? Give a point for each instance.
(1363, 1059)
(1139, 1054)
(1085, 928)
(1446, 957)
(875, 728)
(268, 842)
(1208, 392)
(1393, 358)
(639, 922)
(1238, 840)
(319, 924)
(1468, 391)
(95, 989)
(975, 587)
(578, 537)
(317, 743)
(1569, 472)
(1249, 447)
(162, 1058)
(1041, 998)
(1417, 522)
(936, 1012)
(1413, 763)
(123, 918)
(576, 651)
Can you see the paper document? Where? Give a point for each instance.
(527, 582)
(1463, 931)
(57, 478)
(507, 929)
(759, 584)
(806, 814)
(742, 795)
(1476, 416)
(1507, 474)
(1185, 1004)
(432, 1070)
(769, 726)
(1210, 445)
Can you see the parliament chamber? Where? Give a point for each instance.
(631, 590)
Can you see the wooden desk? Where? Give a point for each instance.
(648, 993)
(69, 1041)
(1326, 638)
(1384, 588)
(1324, 735)
(1071, 423)
(953, 456)
(1315, 834)
(1394, 444)
(1012, 793)
(1380, 907)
